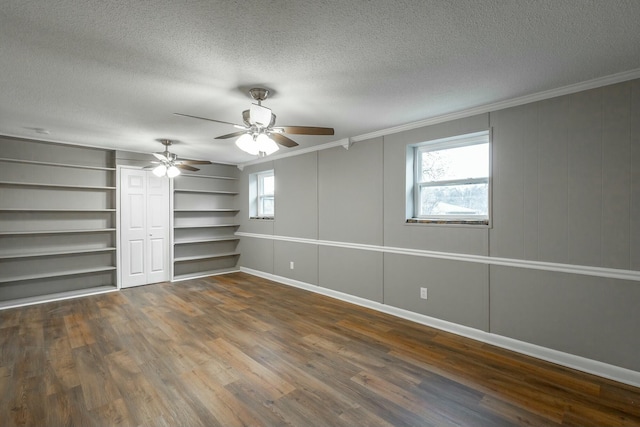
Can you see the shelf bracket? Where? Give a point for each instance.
(347, 143)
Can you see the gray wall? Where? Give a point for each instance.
(566, 189)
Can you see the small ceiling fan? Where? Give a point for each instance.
(168, 163)
(259, 135)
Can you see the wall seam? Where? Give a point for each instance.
(383, 227)
(318, 212)
(568, 174)
(602, 194)
(630, 189)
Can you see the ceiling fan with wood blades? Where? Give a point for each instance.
(168, 163)
(258, 134)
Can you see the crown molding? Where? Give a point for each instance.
(481, 109)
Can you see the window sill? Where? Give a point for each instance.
(484, 222)
(269, 218)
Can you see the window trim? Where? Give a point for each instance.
(262, 196)
(415, 186)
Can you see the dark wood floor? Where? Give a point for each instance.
(237, 350)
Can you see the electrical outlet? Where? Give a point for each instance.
(423, 293)
(290, 265)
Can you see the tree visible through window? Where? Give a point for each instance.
(451, 179)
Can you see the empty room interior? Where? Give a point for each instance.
(320, 213)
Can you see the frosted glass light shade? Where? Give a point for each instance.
(160, 170)
(173, 171)
(266, 145)
(247, 144)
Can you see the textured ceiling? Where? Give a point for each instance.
(111, 73)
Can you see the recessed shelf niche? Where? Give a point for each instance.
(204, 222)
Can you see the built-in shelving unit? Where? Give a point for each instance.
(57, 221)
(207, 226)
(57, 210)
(231, 193)
(67, 186)
(35, 232)
(204, 222)
(64, 165)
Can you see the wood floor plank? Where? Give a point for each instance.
(78, 330)
(63, 372)
(115, 413)
(238, 350)
(402, 397)
(248, 367)
(98, 387)
(182, 407)
(224, 406)
(516, 415)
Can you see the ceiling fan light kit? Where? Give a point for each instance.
(257, 144)
(259, 136)
(160, 170)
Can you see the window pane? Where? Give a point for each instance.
(267, 206)
(455, 200)
(471, 161)
(268, 184)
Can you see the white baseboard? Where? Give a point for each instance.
(579, 363)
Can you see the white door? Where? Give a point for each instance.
(144, 227)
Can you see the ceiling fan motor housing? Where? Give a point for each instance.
(260, 115)
(249, 120)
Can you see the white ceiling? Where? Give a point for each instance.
(111, 73)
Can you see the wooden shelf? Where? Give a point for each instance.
(57, 210)
(194, 175)
(20, 302)
(228, 193)
(72, 187)
(63, 165)
(59, 274)
(206, 210)
(21, 233)
(205, 273)
(205, 226)
(56, 253)
(212, 239)
(209, 256)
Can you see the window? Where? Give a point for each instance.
(262, 195)
(451, 180)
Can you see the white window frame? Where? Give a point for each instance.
(417, 185)
(262, 196)
(256, 194)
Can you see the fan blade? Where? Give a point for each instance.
(150, 167)
(204, 118)
(283, 140)
(194, 162)
(187, 167)
(160, 156)
(231, 135)
(307, 130)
